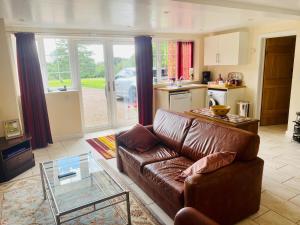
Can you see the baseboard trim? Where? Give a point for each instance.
(67, 137)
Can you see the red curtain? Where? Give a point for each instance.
(34, 108)
(185, 59)
(144, 79)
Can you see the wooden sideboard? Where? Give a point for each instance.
(240, 122)
(15, 157)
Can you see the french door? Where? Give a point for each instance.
(107, 80)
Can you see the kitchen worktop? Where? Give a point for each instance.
(222, 87)
(194, 86)
(182, 88)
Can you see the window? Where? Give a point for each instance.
(57, 59)
(160, 60)
(166, 61)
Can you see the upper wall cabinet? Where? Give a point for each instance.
(226, 49)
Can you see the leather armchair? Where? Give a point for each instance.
(191, 216)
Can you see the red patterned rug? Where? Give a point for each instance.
(105, 145)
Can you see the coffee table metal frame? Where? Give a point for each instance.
(57, 214)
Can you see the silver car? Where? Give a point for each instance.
(125, 82)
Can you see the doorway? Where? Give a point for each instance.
(107, 81)
(277, 80)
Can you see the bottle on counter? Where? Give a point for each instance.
(220, 79)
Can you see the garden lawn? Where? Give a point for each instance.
(98, 83)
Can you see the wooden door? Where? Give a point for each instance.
(277, 80)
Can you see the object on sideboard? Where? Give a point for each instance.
(296, 134)
(243, 108)
(244, 123)
(205, 77)
(12, 129)
(15, 157)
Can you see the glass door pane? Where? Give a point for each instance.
(125, 84)
(93, 85)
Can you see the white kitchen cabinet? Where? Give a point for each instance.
(198, 98)
(211, 50)
(162, 98)
(226, 49)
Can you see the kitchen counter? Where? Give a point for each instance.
(186, 87)
(182, 88)
(222, 87)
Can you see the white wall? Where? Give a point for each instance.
(8, 99)
(63, 107)
(64, 114)
(251, 69)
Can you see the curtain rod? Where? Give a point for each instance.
(94, 33)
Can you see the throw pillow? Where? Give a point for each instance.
(208, 164)
(138, 138)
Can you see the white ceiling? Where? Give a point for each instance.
(163, 16)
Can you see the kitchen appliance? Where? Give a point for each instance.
(296, 134)
(225, 96)
(180, 101)
(243, 108)
(216, 97)
(205, 77)
(235, 78)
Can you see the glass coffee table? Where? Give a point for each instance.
(78, 185)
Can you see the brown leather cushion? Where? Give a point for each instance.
(208, 164)
(138, 138)
(161, 175)
(137, 159)
(171, 128)
(205, 138)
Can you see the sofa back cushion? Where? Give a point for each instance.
(205, 137)
(171, 128)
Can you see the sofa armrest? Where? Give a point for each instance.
(191, 216)
(228, 194)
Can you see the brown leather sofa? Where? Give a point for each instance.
(227, 195)
(191, 216)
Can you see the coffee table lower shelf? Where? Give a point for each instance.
(110, 201)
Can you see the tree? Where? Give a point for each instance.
(59, 66)
(87, 64)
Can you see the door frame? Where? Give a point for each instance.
(107, 43)
(261, 63)
(111, 43)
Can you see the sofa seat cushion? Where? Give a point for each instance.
(138, 159)
(205, 138)
(171, 128)
(162, 175)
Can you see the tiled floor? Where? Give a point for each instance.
(280, 203)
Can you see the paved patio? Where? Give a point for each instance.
(96, 109)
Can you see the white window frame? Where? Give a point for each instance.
(158, 56)
(43, 62)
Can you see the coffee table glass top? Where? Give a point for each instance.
(79, 180)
